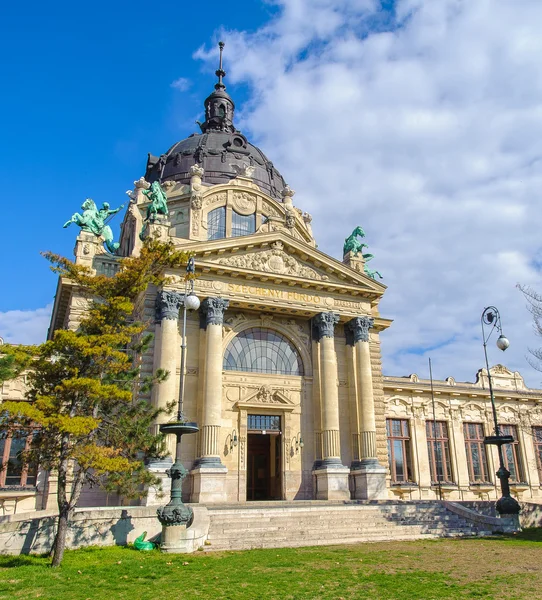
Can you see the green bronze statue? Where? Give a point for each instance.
(158, 205)
(369, 272)
(355, 247)
(93, 220)
(351, 244)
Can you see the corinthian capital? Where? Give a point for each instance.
(168, 304)
(212, 311)
(323, 325)
(357, 330)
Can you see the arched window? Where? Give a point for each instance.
(242, 225)
(262, 351)
(216, 223)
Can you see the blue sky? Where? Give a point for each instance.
(419, 120)
(87, 94)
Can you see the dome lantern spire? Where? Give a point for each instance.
(220, 71)
(219, 107)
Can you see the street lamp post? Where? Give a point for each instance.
(176, 512)
(506, 505)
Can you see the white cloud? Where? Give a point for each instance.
(25, 326)
(181, 84)
(428, 133)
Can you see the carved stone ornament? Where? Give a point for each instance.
(196, 201)
(289, 219)
(357, 330)
(196, 170)
(141, 184)
(323, 325)
(132, 195)
(244, 202)
(273, 261)
(243, 170)
(168, 304)
(212, 311)
(287, 192)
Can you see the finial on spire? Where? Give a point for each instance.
(220, 71)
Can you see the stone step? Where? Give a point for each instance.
(305, 542)
(313, 524)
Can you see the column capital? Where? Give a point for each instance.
(357, 329)
(168, 304)
(323, 325)
(212, 311)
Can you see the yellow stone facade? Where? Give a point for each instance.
(331, 440)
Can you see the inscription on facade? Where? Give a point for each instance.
(277, 294)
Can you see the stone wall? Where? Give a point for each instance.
(34, 532)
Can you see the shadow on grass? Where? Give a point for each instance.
(23, 560)
(529, 534)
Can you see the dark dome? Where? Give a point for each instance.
(218, 147)
(215, 151)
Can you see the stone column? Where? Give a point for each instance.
(166, 356)
(369, 475)
(209, 476)
(331, 475)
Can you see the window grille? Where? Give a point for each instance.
(262, 351)
(216, 223)
(263, 423)
(242, 225)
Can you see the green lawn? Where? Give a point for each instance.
(490, 568)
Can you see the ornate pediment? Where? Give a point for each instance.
(266, 397)
(501, 377)
(274, 260)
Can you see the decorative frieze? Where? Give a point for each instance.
(273, 261)
(212, 311)
(323, 325)
(357, 330)
(168, 304)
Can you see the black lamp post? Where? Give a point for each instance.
(506, 505)
(176, 512)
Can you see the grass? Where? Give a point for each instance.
(503, 568)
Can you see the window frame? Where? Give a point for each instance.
(26, 470)
(243, 350)
(434, 441)
(515, 450)
(405, 440)
(478, 444)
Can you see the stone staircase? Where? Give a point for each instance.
(314, 523)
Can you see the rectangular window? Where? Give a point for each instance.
(438, 447)
(399, 454)
(263, 423)
(537, 438)
(476, 452)
(14, 473)
(511, 454)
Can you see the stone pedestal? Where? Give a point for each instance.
(180, 539)
(155, 495)
(370, 482)
(332, 483)
(209, 484)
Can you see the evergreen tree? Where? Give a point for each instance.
(88, 422)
